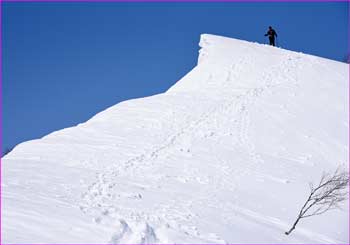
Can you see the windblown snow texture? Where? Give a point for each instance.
(224, 156)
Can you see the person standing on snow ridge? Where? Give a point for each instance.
(271, 33)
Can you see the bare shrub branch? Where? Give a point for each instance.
(327, 195)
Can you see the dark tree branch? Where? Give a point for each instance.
(331, 190)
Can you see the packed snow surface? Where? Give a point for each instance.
(224, 156)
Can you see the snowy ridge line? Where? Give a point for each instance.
(209, 42)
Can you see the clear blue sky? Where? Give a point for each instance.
(65, 62)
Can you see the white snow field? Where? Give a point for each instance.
(224, 156)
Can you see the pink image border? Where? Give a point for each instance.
(138, 1)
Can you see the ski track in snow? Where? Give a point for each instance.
(101, 193)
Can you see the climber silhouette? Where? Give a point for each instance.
(271, 33)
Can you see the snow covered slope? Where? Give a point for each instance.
(224, 156)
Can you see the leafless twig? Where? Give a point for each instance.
(328, 194)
